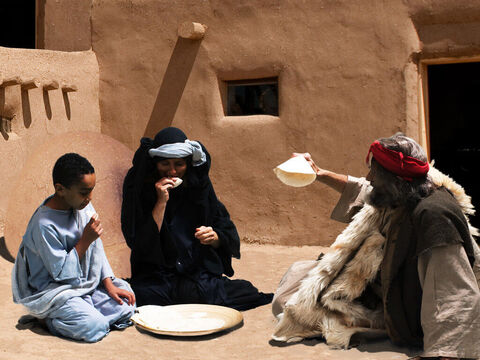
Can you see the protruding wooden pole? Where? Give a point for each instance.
(52, 85)
(14, 80)
(192, 30)
(69, 88)
(30, 84)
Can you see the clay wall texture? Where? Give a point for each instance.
(341, 82)
(37, 115)
(63, 25)
(349, 72)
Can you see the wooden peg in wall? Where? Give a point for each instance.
(69, 88)
(52, 85)
(30, 84)
(192, 30)
(14, 80)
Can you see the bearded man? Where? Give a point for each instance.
(407, 263)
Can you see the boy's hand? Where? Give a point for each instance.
(92, 232)
(117, 294)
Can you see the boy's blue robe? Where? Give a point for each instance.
(47, 270)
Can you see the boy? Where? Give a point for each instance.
(61, 273)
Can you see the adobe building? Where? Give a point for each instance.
(254, 81)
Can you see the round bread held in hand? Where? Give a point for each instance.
(177, 182)
(295, 172)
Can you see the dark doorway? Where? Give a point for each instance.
(454, 116)
(17, 28)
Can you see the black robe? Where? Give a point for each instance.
(170, 266)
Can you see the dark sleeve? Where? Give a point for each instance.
(227, 232)
(132, 212)
(138, 226)
(439, 221)
(151, 249)
(146, 235)
(129, 211)
(148, 244)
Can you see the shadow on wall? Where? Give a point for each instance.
(173, 85)
(4, 253)
(27, 112)
(48, 107)
(3, 127)
(66, 101)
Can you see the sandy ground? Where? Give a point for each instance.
(264, 265)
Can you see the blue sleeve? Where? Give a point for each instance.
(62, 266)
(106, 268)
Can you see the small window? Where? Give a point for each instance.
(252, 97)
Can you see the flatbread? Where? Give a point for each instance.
(177, 181)
(295, 172)
(186, 320)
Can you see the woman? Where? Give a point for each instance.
(182, 238)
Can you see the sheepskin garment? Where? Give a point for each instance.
(330, 302)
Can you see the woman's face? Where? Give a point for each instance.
(172, 168)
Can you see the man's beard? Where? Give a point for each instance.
(384, 197)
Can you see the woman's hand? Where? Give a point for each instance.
(162, 186)
(207, 236)
(117, 293)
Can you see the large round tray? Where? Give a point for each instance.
(186, 319)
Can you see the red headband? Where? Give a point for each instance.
(406, 167)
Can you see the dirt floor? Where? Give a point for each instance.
(264, 265)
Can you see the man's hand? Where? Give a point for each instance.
(92, 232)
(334, 180)
(117, 294)
(207, 236)
(309, 159)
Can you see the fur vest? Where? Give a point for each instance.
(326, 303)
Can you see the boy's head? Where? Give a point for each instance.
(74, 180)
